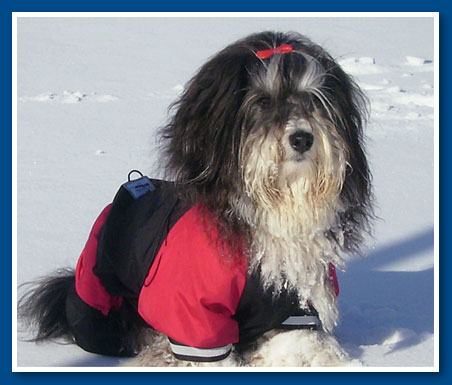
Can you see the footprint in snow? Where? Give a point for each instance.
(167, 94)
(365, 65)
(69, 97)
(417, 61)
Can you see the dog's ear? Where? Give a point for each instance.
(203, 136)
(357, 195)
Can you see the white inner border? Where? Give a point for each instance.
(16, 15)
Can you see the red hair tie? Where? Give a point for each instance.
(266, 53)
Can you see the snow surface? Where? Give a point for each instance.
(91, 93)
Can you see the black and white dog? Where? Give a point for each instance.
(266, 151)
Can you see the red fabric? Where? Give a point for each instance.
(333, 278)
(87, 284)
(192, 290)
(266, 53)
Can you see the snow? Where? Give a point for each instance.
(92, 92)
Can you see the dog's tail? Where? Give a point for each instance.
(42, 307)
(51, 309)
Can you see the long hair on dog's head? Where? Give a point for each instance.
(272, 145)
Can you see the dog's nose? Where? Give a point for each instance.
(301, 141)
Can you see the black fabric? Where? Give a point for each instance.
(260, 310)
(201, 359)
(132, 235)
(116, 334)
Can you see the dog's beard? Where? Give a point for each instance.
(291, 203)
(293, 207)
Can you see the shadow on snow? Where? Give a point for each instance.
(394, 308)
(375, 305)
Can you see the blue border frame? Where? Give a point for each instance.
(234, 5)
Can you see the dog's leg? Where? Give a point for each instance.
(298, 348)
(158, 354)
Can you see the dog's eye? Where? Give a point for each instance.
(264, 102)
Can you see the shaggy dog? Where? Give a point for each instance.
(266, 142)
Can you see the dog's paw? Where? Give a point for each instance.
(299, 348)
(158, 354)
(151, 357)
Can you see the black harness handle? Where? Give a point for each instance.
(131, 172)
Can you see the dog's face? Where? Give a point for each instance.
(290, 143)
(272, 133)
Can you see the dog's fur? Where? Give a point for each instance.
(228, 146)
